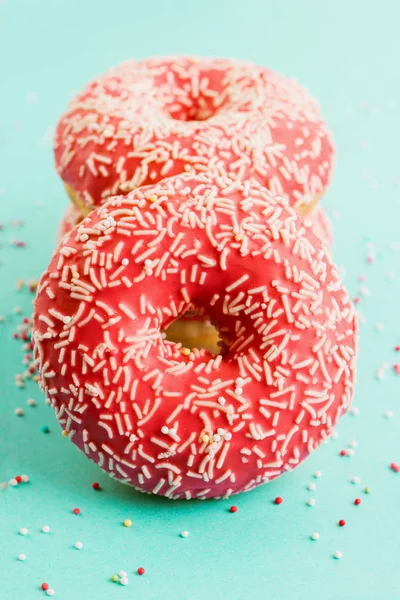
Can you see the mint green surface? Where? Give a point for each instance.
(347, 53)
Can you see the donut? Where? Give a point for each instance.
(178, 422)
(150, 119)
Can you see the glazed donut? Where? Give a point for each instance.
(150, 119)
(181, 423)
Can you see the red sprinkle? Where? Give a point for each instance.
(356, 300)
(140, 571)
(395, 467)
(18, 478)
(342, 523)
(397, 348)
(96, 486)
(15, 336)
(45, 586)
(278, 500)
(343, 453)
(76, 511)
(233, 509)
(357, 501)
(396, 369)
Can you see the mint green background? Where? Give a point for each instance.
(347, 52)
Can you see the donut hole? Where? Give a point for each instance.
(193, 331)
(198, 112)
(200, 96)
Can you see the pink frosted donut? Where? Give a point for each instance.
(150, 119)
(180, 423)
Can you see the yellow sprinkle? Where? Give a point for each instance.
(205, 438)
(153, 197)
(64, 433)
(185, 351)
(367, 490)
(114, 577)
(127, 523)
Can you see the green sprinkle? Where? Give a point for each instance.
(114, 578)
(45, 429)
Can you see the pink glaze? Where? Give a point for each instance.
(319, 221)
(188, 424)
(150, 119)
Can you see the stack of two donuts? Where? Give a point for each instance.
(192, 174)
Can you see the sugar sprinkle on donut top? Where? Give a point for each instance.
(189, 424)
(147, 120)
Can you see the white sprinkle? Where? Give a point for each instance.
(13, 482)
(350, 452)
(50, 592)
(389, 414)
(78, 545)
(125, 262)
(221, 400)
(355, 479)
(184, 534)
(311, 501)
(312, 486)
(24, 478)
(337, 554)
(164, 429)
(355, 411)
(124, 581)
(318, 474)
(23, 531)
(122, 573)
(334, 435)
(228, 436)
(31, 402)
(379, 327)
(315, 536)
(19, 412)
(46, 529)
(239, 382)
(21, 556)
(353, 444)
